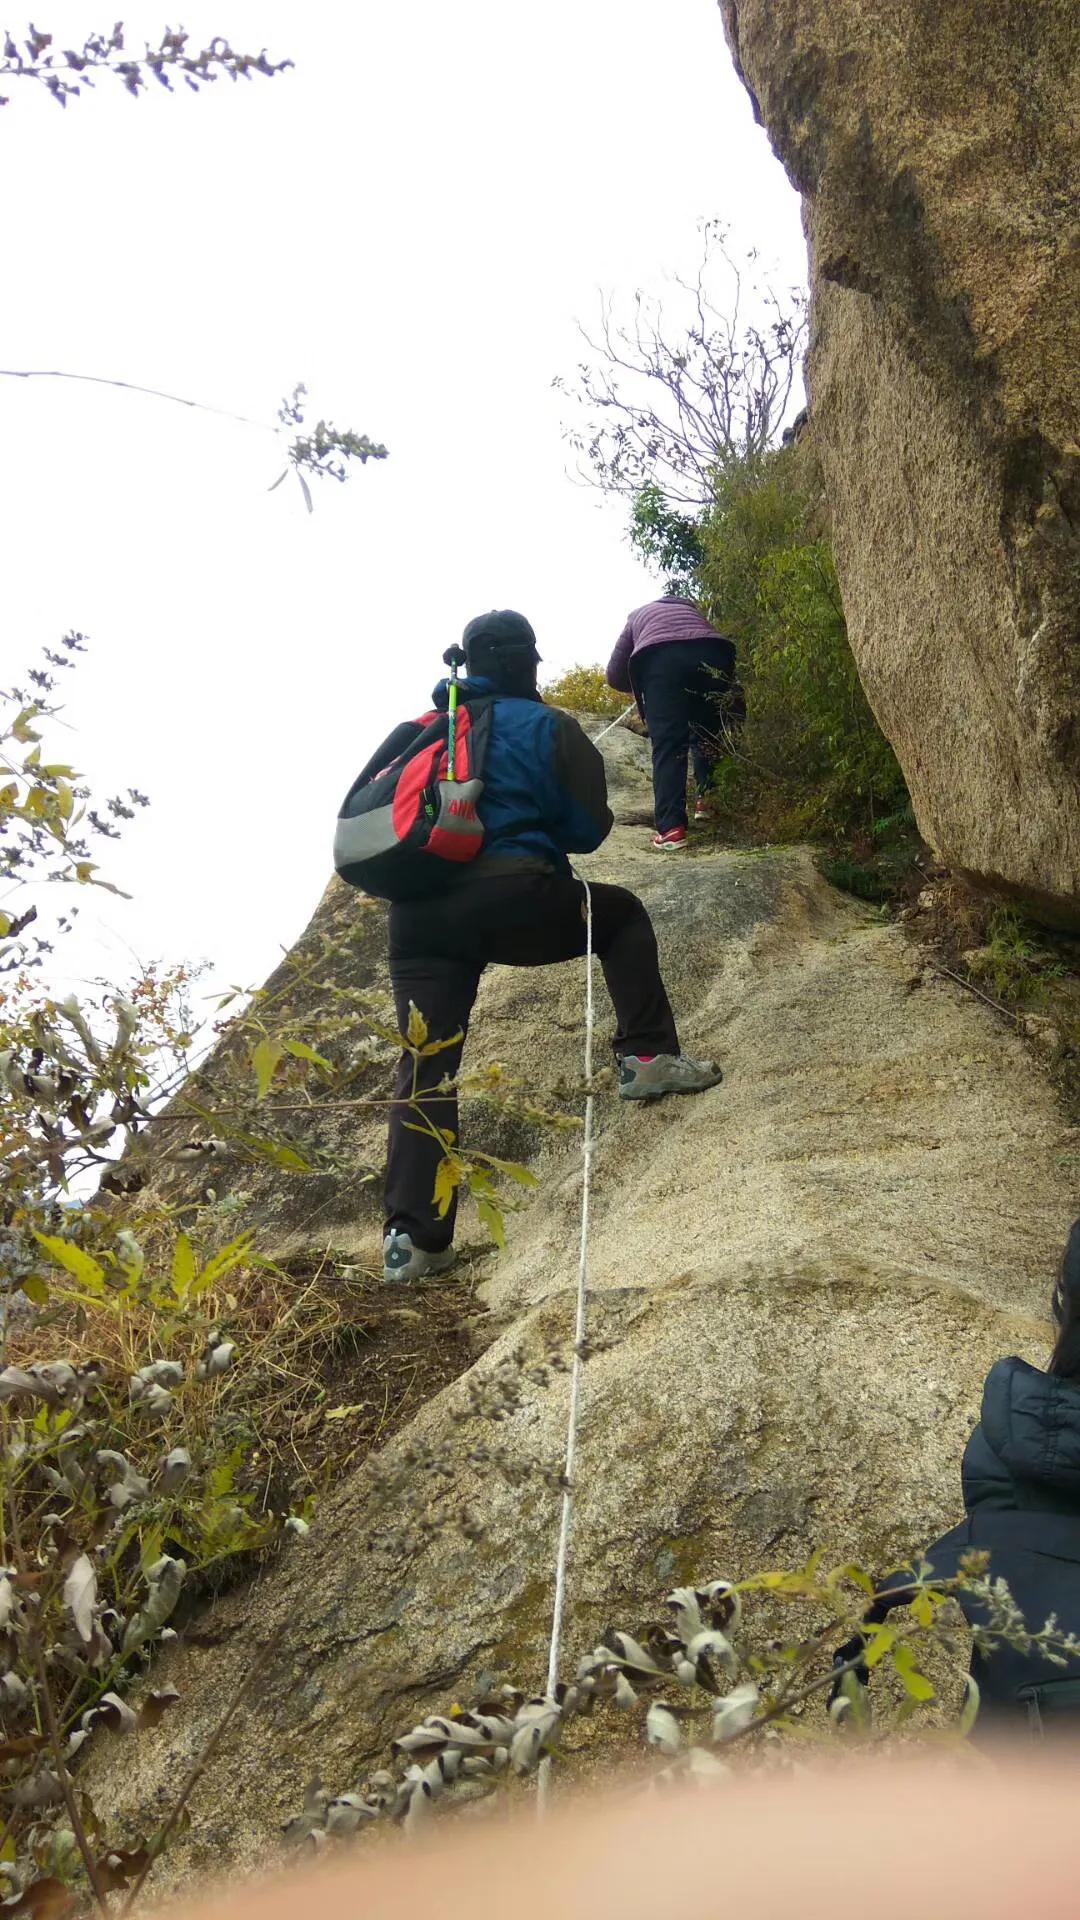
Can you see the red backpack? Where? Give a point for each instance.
(410, 818)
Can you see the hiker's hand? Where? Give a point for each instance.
(929, 1834)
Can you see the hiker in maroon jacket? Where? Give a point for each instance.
(682, 675)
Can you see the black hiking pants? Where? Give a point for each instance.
(679, 689)
(438, 950)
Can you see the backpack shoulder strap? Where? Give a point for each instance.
(481, 706)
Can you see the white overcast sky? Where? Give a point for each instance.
(410, 222)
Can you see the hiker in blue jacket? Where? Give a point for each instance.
(1021, 1486)
(518, 904)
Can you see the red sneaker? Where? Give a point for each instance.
(670, 841)
(702, 811)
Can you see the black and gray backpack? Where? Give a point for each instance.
(410, 819)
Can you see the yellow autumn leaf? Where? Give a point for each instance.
(301, 1051)
(881, 1641)
(184, 1266)
(923, 1608)
(491, 1217)
(915, 1684)
(447, 1178)
(264, 1060)
(82, 1266)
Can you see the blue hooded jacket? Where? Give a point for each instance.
(545, 788)
(1024, 1454)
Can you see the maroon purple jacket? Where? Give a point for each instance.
(651, 626)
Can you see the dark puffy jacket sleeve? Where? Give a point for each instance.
(896, 1591)
(578, 815)
(618, 667)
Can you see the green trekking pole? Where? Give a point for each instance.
(452, 658)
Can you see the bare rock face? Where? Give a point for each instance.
(937, 149)
(797, 1283)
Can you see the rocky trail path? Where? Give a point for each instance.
(799, 1280)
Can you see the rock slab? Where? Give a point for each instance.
(937, 150)
(798, 1281)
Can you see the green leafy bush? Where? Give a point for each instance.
(811, 761)
(877, 866)
(666, 538)
(685, 406)
(1014, 963)
(584, 690)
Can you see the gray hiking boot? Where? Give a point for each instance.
(665, 1073)
(402, 1262)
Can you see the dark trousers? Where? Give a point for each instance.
(438, 950)
(679, 690)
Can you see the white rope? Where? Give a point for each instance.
(562, 1551)
(604, 731)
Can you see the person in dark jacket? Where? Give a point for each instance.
(518, 904)
(1021, 1487)
(682, 675)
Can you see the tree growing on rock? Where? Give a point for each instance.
(673, 400)
(686, 404)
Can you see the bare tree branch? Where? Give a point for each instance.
(65, 72)
(324, 451)
(668, 409)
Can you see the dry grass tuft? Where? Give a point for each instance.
(330, 1363)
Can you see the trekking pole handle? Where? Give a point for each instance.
(453, 658)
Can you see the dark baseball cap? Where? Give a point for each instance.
(500, 635)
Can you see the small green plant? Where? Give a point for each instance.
(876, 866)
(855, 877)
(1013, 964)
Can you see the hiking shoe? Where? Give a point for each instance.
(642, 1078)
(670, 841)
(403, 1262)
